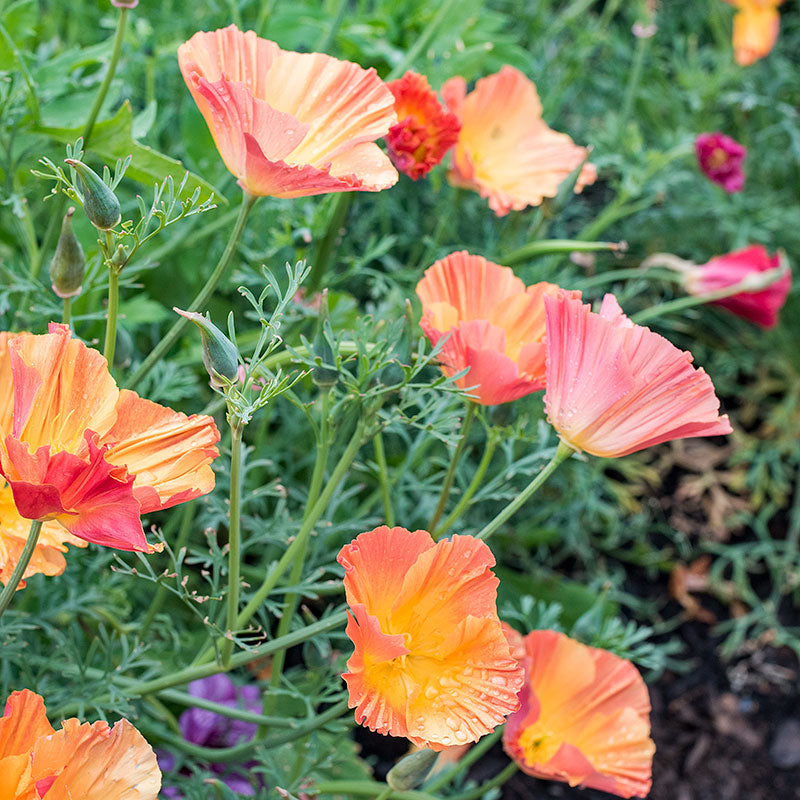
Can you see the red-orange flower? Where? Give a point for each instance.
(584, 717)
(755, 29)
(614, 387)
(431, 662)
(425, 131)
(505, 150)
(495, 324)
(86, 761)
(77, 451)
(289, 124)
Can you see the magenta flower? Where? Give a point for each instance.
(721, 159)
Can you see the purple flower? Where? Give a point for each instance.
(209, 729)
(721, 158)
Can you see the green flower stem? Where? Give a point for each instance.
(239, 752)
(116, 51)
(701, 299)
(472, 755)
(628, 274)
(190, 701)
(113, 310)
(323, 445)
(16, 576)
(383, 478)
(234, 539)
(325, 247)
(563, 452)
(367, 789)
(203, 296)
(161, 593)
(66, 315)
(451, 470)
(385, 794)
(480, 791)
(477, 479)
(547, 247)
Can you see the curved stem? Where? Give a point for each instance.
(322, 255)
(19, 570)
(498, 780)
(367, 789)
(628, 274)
(116, 51)
(383, 479)
(464, 502)
(191, 701)
(234, 539)
(563, 452)
(469, 758)
(545, 247)
(451, 470)
(202, 297)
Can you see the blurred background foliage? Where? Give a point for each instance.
(593, 552)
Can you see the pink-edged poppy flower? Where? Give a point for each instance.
(431, 662)
(80, 760)
(761, 306)
(78, 452)
(721, 158)
(505, 151)
(289, 124)
(614, 387)
(425, 131)
(584, 717)
(495, 324)
(755, 29)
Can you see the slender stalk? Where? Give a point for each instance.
(191, 701)
(326, 244)
(116, 51)
(451, 470)
(113, 310)
(472, 755)
(66, 315)
(498, 780)
(385, 794)
(635, 273)
(383, 479)
(19, 570)
(202, 297)
(26, 75)
(234, 539)
(366, 789)
(477, 479)
(546, 247)
(563, 452)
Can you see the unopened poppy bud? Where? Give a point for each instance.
(411, 771)
(99, 202)
(220, 356)
(120, 257)
(69, 262)
(323, 377)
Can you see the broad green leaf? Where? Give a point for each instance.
(113, 139)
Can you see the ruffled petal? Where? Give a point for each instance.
(23, 722)
(168, 453)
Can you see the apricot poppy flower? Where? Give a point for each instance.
(755, 29)
(495, 326)
(721, 159)
(425, 131)
(505, 151)
(584, 717)
(86, 761)
(760, 306)
(431, 662)
(289, 124)
(614, 387)
(77, 451)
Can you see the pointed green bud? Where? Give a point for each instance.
(220, 356)
(120, 257)
(99, 202)
(323, 377)
(411, 771)
(69, 262)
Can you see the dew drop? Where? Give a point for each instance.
(461, 736)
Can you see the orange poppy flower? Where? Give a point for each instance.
(86, 761)
(584, 717)
(425, 132)
(755, 29)
(505, 151)
(495, 325)
(614, 387)
(431, 662)
(289, 124)
(77, 451)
